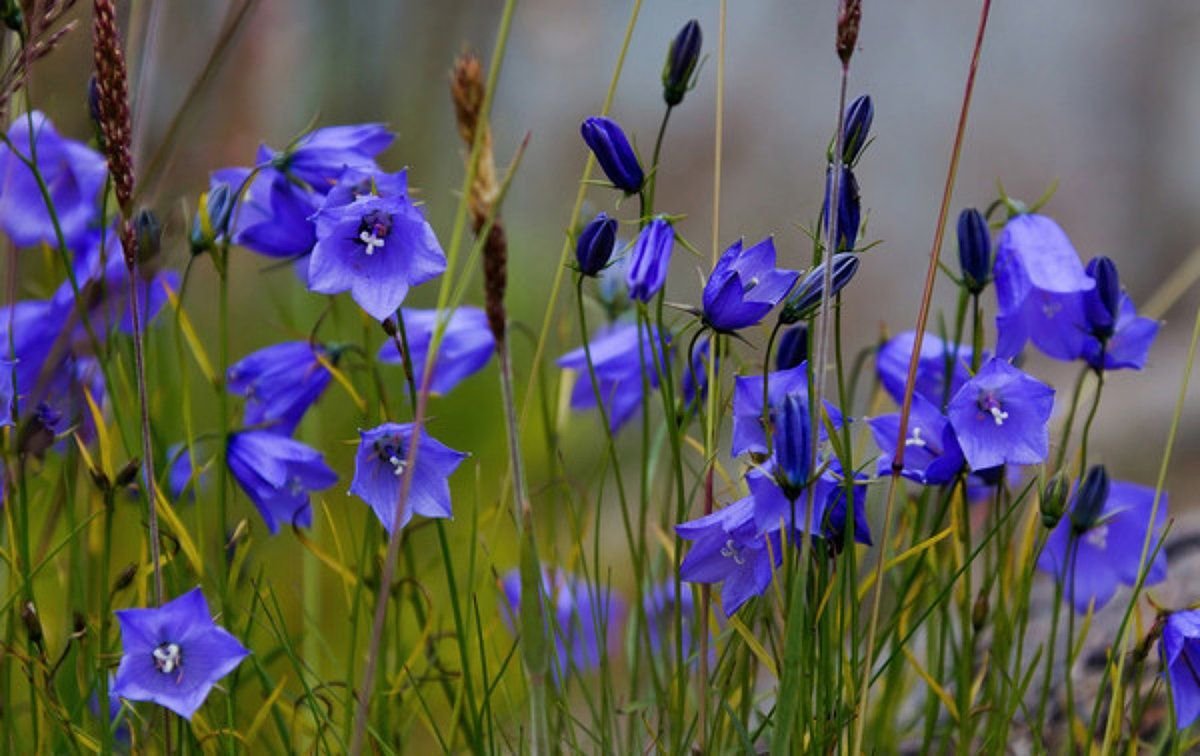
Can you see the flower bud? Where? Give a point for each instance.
(807, 297)
(40, 431)
(649, 260)
(974, 250)
(791, 446)
(1090, 499)
(124, 578)
(212, 218)
(793, 348)
(1103, 303)
(856, 128)
(1054, 500)
(849, 208)
(681, 62)
(614, 153)
(149, 235)
(595, 244)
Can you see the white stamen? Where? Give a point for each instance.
(998, 415)
(397, 465)
(732, 551)
(916, 439)
(1098, 537)
(371, 241)
(167, 658)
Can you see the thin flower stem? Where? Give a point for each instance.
(910, 381)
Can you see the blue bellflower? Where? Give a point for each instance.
(793, 347)
(940, 363)
(932, 456)
(806, 299)
(175, 654)
(659, 606)
(618, 362)
(595, 244)
(273, 214)
(74, 176)
(613, 152)
(1000, 417)
(1103, 548)
(319, 157)
(748, 432)
(680, 67)
(376, 246)
(277, 473)
(744, 286)
(280, 383)
(466, 346)
(849, 208)
(1180, 652)
(649, 260)
(775, 512)
(729, 550)
(974, 250)
(379, 467)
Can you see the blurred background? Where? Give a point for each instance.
(1101, 97)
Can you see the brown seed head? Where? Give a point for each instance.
(112, 83)
(848, 20)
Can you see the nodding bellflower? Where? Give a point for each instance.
(1180, 653)
(618, 362)
(272, 216)
(319, 157)
(614, 153)
(595, 244)
(377, 246)
(277, 473)
(942, 367)
(1000, 417)
(805, 300)
(728, 549)
(582, 620)
(744, 286)
(173, 655)
(1098, 546)
(680, 67)
(931, 452)
(280, 383)
(72, 172)
(466, 346)
(380, 464)
(649, 260)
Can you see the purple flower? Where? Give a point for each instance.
(466, 346)
(775, 512)
(618, 364)
(175, 654)
(380, 464)
(103, 280)
(595, 244)
(273, 215)
(748, 435)
(183, 478)
(729, 550)
(744, 286)
(936, 360)
(583, 618)
(73, 174)
(6, 391)
(857, 128)
(280, 383)
(849, 208)
(1035, 262)
(377, 247)
(793, 347)
(682, 57)
(319, 157)
(974, 250)
(649, 260)
(806, 299)
(277, 473)
(1180, 652)
(613, 152)
(932, 455)
(1000, 417)
(1105, 550)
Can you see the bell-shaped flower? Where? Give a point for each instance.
(380, 465)
(744, 286)
(613, 152)
(319, 157)
(682, 57)
(594, 247)
(1180, 652)
(277, 473)
(465, 349)
(650, 259)
(280, 383)
(728, 549)
(940, 363)
(272, 216)
(1000, 417)
(932, 455)
(619, 354)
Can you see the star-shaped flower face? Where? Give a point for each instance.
(729, 550)
(1180, 650)
(277, 473)
(381, 462)
(744, 286)
(174, 655)
(1000, 417)
(931, 452)
(1106, 553)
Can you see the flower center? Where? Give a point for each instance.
(991, 405)
(388, 450)
(732, 551)
(1098, 537)
(915, 439)
(373, 230)
(168, 657)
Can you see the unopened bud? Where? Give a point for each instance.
(1090, 499)
(1054, 500)
(793, 348)
(677, 74)
(125, 578)
(103, 484)
(1103, 303)
(807, 297)
(212, 218)
(149, 235)
(857, 128)
(595, 244)
(974, 250)
(128, 473)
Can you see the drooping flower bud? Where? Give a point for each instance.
(212, 218)
(1054, 500)
(614, 153)
(1090, 499)
(595, 244)
(856, 128)
(149, 235)
(649, 260)
(793, 348)
(681, 62)
(1103, 303)
(974, 250)
(807, 296)
(791, 446)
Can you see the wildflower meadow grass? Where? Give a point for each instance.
(711, 524)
